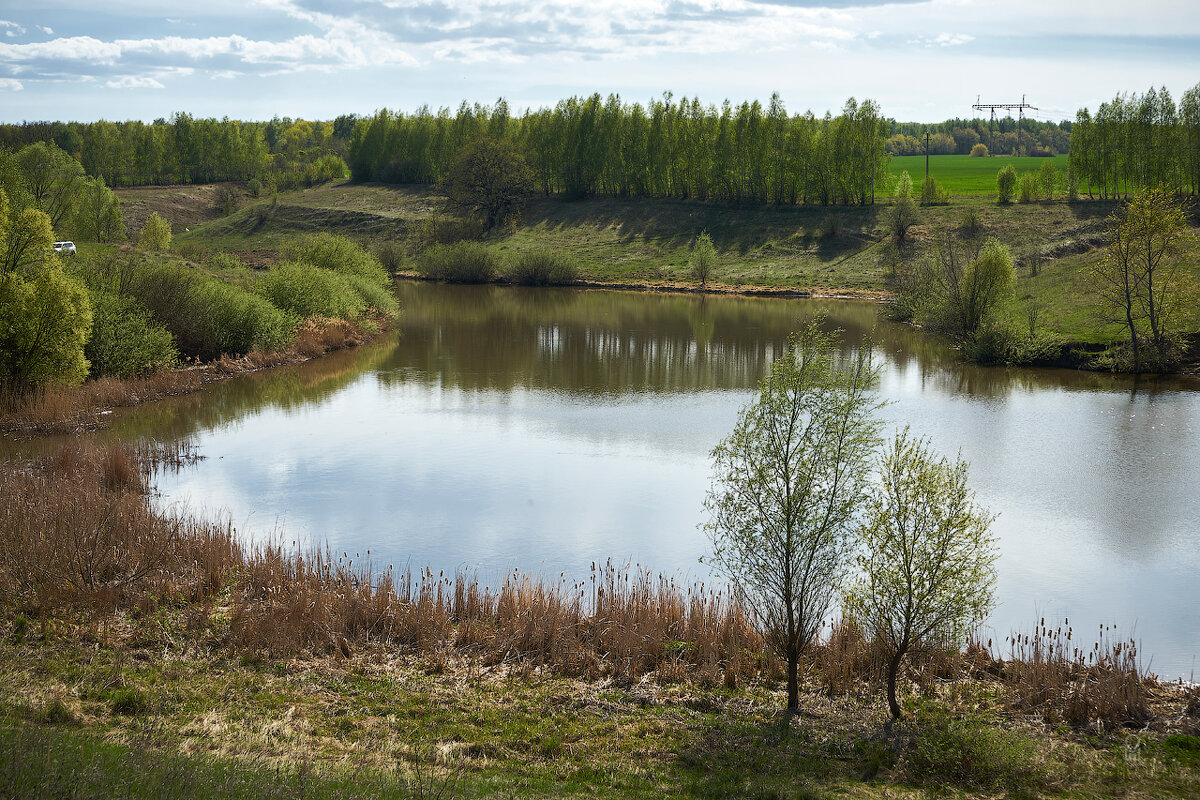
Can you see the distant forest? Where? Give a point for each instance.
(747, 153)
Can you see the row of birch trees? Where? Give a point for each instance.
(597, 147)
(1136, 141)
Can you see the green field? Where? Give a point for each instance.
(964, 175)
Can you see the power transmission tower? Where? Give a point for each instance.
(1020, 109)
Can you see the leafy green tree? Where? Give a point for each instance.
(44, 323)
(902, 215)
(1006, 183)
(927, 562)
(1048, 178)
(489, 177)
(156, 234)
(789, 484)
(704, 257)
(979, 151)
(53, 179)
(99, 214)
(26, 241)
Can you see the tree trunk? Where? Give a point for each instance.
(893, 668)
(793, 688)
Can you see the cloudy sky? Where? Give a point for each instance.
(252, 59)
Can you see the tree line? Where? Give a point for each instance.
(187, 149)
(1138, 141)
(1030, 137)
(604, 147)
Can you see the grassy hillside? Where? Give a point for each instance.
(825, 250)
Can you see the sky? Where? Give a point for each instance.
(922, 60)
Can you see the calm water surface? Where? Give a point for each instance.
(547, 429)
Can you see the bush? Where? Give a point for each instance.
(904, 185)
(44, 323)
(192, 251)
(1029, 187)
(390, 255)
(338, 254)
(901, 217)
(979, 151)
(254, 187)
(225, 262)
(207, 317)
(306, 290)
(463, 262)
(156, 234)
(1048, 179)
(972, 221)
(932, 194)
(540, 268)
(1006, 183)
(967, 752)
(126, 341)
(226, 200)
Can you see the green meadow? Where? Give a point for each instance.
(964, 175)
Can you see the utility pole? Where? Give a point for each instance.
(927, 155)
(1019, 107)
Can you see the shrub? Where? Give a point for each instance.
(462, 262)
(704, 256)
(1048, 179)
(1029, 187)
(254, 187)
(968, 753)
(979, 151)
(225, 262)
(904, 185)
(1072, 187)
(44, 324)
(226, 200)
(156, 234)
(901, 217)
(306, 290)
(972, 221)
(192, 251)
(207, 317)
(540, 268)
(439, 229)
(376, 297)
(338, 254)
(390, 255)
(933, 194)
(125, 340)
(1006, 183)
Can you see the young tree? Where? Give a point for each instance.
(902, 215)
(44, 323)
(488, 177)
(1006, 183)
(24, 239)
(704, 256)
(156, 233)
(927, 566)
(788, 486)
(1141, 283)
(99, 213)
(960, 292)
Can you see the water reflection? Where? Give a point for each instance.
(548, 428)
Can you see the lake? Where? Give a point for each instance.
(546, 429)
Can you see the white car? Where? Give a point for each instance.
(65, 248)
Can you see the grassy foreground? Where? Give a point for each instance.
(152, 655)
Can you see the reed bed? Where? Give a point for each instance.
(77, 534)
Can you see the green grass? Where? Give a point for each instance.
(145, 709)
(963, 175)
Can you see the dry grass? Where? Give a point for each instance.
(77, 533)
(1053, 674)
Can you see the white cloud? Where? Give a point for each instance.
(942, 40)
(134, 82)
(46, 30)
(10, 85)
(11, 28)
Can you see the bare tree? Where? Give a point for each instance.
(788, 486)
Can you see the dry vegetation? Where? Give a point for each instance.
(170, 634)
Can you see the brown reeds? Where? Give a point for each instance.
(77, 532)
(1053, 674)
